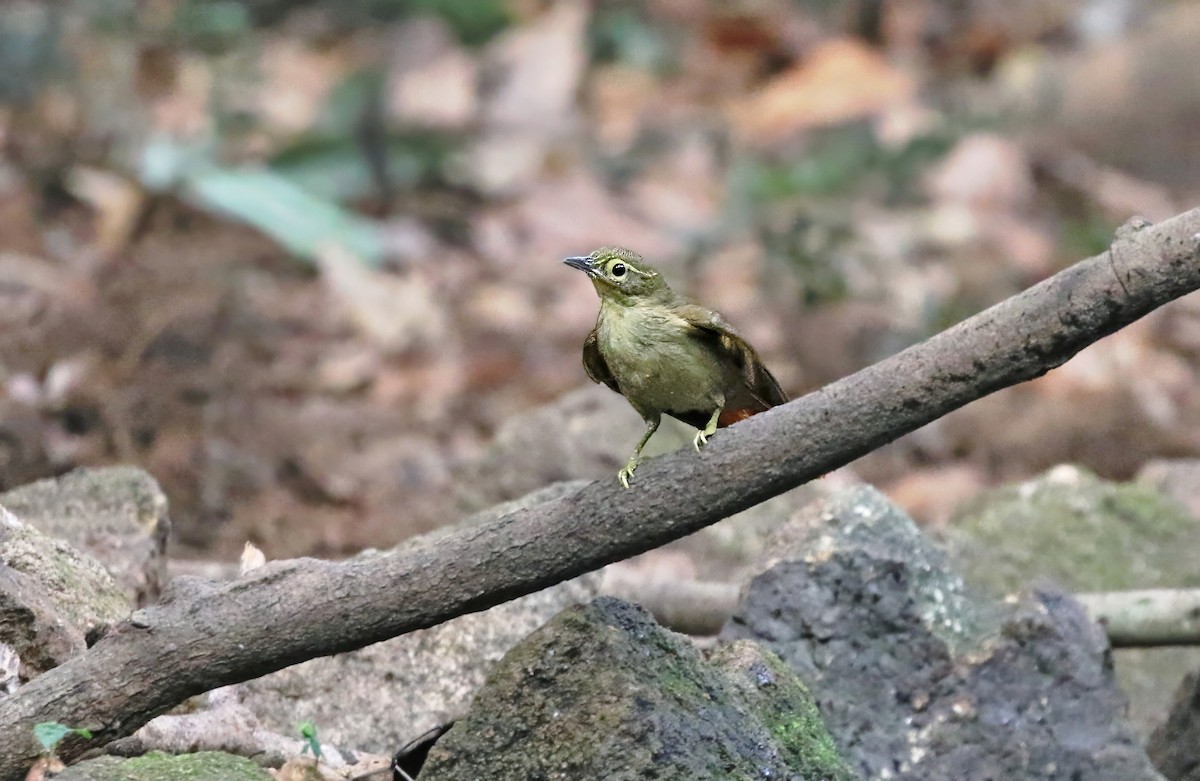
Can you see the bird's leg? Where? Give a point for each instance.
(626, 473)
(703, 435)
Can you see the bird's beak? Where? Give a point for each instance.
(586, 265)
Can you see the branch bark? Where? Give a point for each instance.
(1148, 618)
(215, 635)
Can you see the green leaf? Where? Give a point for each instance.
(297, 219)
(210, 25)
(308, 731)
(474, 21)
(301, 221)
(622, 34)
(337, 168)
(51, 733)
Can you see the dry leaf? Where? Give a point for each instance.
(619, 98)
(296, 83)
(303, 769)
(395, 312)
(44, 769)
(568, 216)
(117, 201)
(841, 81)
(984, 171)
(433, 82)
(252, 559)
(540, 66)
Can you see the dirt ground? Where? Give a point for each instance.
(316, 380)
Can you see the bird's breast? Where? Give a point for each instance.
(658, 362)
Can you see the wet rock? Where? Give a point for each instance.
(380, 697)
(1175, 746)
(156, 766)
(51, 595)
(919, 679)
(1087, 534)
(604, 692)
(117, 515)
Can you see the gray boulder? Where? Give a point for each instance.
(604, 692)
(51, 596)
(1175, 745)
(1088, 534)
(585, 435)
(117, 515)
(917, 678)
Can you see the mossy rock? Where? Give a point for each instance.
(1084, 533)
(603, 692)
(117, 515)
(82, 591)
(157, 766)
(1087, 534)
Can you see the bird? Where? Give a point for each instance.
(666, 355)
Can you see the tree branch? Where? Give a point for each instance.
(286, 612)
(1148, 618)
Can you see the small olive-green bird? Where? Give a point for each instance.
(666, 355)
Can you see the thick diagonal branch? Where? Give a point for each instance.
(295, 610)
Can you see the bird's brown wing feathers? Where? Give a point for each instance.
(759, 384)
(594, 365)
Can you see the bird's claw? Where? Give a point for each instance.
(700, 440)
(626, 473)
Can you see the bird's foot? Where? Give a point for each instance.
(700, 440)
(626, 473)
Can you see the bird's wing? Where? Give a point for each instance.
(759, 381)
(594, 364)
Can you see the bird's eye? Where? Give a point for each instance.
(618, 270)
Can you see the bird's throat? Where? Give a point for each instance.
(632, 327)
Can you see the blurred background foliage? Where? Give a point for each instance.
(300, 259)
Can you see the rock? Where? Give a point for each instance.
(31, 628)
(919, 679)
(984, 171)
(1175, 746)
(10, 668)
(604, 692)
(117, 515)
(587, 435)
(380, 697)
(156, 766)
(1178, 478)
(1106, 111)
(51, 595)
(1087, 534)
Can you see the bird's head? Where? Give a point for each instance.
(620, 275)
